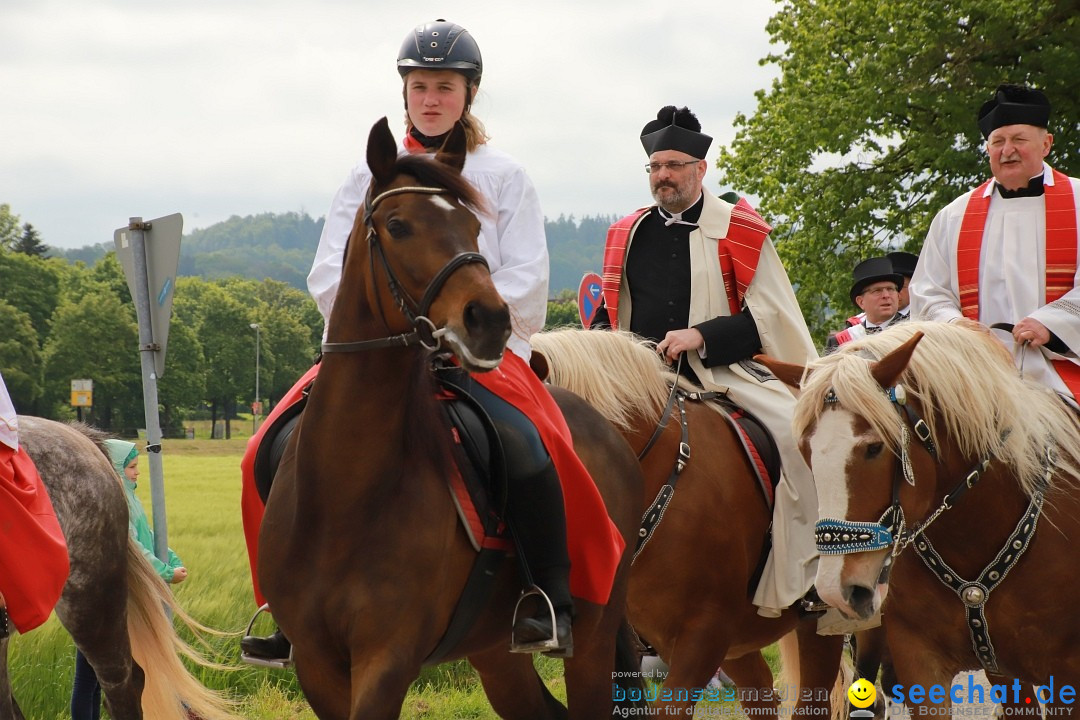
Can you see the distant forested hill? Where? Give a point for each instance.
(282, 246)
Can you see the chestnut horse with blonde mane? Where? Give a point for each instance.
(691, 585)
(949, 485)
(362, 556)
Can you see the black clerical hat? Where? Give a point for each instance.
(1014, 105)
(675, 129)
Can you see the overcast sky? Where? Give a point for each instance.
(213, 108)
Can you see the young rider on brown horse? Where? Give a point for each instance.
(441, 67)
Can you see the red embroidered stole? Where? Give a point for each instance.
(738, 253)
(618, 238)
(1061, 254)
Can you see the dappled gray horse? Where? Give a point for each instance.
(113, 603)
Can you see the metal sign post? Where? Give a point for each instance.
(150, 253)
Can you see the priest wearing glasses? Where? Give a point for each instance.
(1006, 252)
(698, 275)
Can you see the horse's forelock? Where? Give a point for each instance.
(965, 384)
(432, 173)
(847, 378)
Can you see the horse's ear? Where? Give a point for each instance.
(789, 373)
(887, 370)
(381, 152)
(453, 149)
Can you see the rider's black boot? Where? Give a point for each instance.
(270, 647)
(538, 518)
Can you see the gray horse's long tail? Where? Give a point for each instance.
(171, 691)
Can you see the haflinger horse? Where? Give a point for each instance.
(113, 603)
(924, 438)
(691, 584)
(361, 554)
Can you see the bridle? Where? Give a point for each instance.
(424, 332)
(841, 537)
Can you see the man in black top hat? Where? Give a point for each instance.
(876, 291)
(1007, 252)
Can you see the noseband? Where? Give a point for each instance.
(841, 537)
(424, 332)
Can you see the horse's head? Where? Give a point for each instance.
(421, 264)
(846, 423)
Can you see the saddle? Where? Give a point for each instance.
(479, 486)
(758, 444)
(478, 490)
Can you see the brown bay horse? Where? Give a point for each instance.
(690, 587)
(959, 481)
(361, 553)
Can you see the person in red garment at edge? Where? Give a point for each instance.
(33, 552)
(440, 66)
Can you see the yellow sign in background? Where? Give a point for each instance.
(82, 393)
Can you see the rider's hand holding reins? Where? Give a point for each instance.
(1030, 331)
(677, 342)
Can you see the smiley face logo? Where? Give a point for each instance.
(862, 693)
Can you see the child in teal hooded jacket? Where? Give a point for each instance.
(86, 692)
(125, 459)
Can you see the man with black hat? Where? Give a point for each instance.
(876, 291)
(904, 264)
(1007, 252)
(699, 275)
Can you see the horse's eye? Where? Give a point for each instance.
(873, 450)
(397, 229)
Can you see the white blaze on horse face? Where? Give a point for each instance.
(831, 445)
(442, 203)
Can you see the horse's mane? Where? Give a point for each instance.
(616, 372)
(430, 172)
(969, 388)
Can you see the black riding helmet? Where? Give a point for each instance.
(441, 45)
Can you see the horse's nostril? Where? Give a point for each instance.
(471, 316)
(862, 601)
(477, 317)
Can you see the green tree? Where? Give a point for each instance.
(95, 337)
(183, 385)
(222, 324)
(9, 227)
(562, 311)
(29, 243)
(870, 128)
(108, 273)
(20, 359)
(32, 285)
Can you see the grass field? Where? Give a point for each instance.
(202, 481)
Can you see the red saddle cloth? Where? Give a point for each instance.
(33, 552)
(594, 542)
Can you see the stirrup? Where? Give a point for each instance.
(552, 643)
(277, 663)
